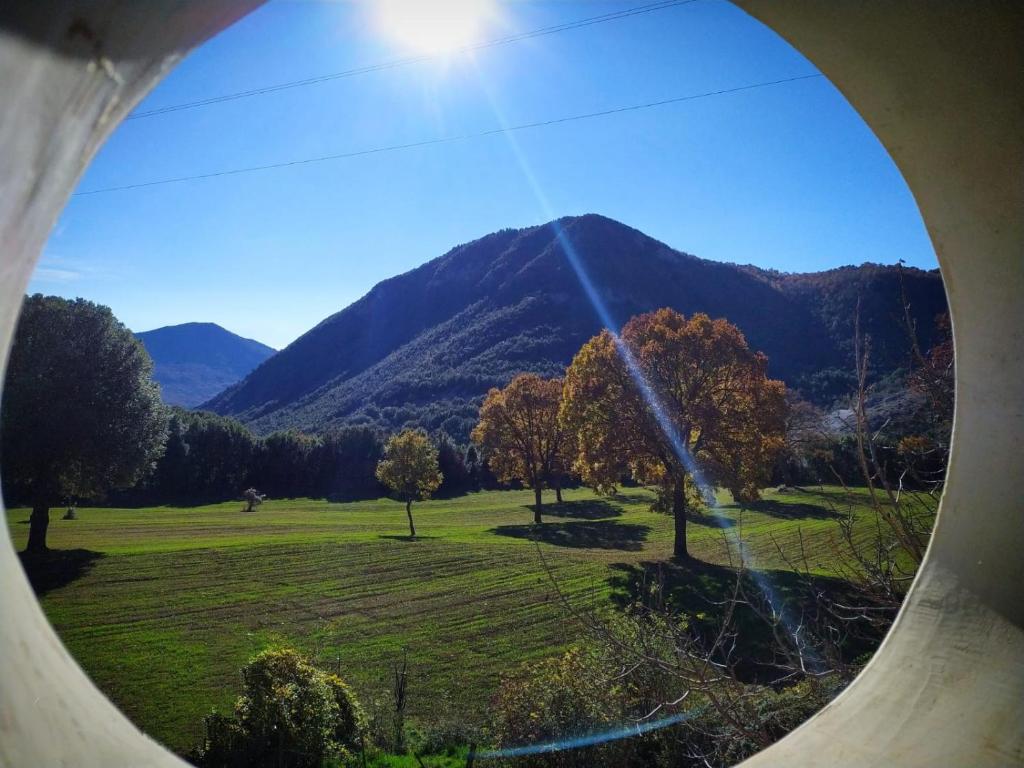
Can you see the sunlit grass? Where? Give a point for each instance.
(163, 605)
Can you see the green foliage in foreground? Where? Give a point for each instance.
(162, 606)
(453, 759)
(292, 715)
(597, 688)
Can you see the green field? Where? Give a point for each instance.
(163, 605)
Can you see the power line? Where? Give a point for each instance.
(590, 21)
(450, 139)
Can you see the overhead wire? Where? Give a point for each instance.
(450, 139)
(550, 30)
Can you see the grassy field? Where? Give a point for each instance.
(162, 606)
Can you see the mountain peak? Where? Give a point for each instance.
(194, 361)
(422, 348)
(197, 328)
(590, 219)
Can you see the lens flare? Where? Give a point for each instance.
(590, 739)
(796, 631)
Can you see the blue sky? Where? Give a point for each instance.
(785, 177)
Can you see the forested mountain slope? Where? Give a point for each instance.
(423, 348)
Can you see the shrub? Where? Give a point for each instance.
(623, 678)
(559, 700)
(774, 713)
(450, 731)
(291, 715)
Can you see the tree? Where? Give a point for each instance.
(451, 461)
(286, 464)
(348, 460)
(81, 413)
(667, 397)
(207, 458)
(409, 468)
(220, 456)
(808, 445)
(562, 463)
(932, 375)
(473, 463)
(520, 431)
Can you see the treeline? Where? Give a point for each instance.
(211, 458)
(823, 449)
(121, 445)
(904, 422)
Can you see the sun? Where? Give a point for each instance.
(433, 26)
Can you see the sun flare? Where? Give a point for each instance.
(433, 26)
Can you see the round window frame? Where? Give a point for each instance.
(942, 87)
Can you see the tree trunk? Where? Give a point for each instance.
(679, 513)
(38, 523)
(408, 511)
(558, 490)
(537, 502)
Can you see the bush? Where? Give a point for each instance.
(292, 715)
(617, 681)
(559, 700)
(774, 713)
(450, 731)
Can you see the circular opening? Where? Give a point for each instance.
(597, 526)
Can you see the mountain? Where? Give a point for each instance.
(423, 348)
(192, 362)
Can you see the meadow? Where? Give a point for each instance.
(162, 606)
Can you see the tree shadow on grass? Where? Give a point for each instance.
(600, 534)
(703, 592)
(627, 496)
(56, 568)
(405, 537)
(711, 520)
(583, 509)
(792, 510)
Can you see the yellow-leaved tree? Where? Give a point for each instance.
(521, 435)
(678, 397)
(410, 469)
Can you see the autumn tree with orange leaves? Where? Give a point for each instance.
(520, 432)
(671, 394)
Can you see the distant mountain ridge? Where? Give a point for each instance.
(194, 361)
(422, 348)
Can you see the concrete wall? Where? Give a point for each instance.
(942, 85)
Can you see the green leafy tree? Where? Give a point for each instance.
(472, 463)
(221, 452)
(348, 461)
(410, 469)
(81, 413)
(207, 458)
(286, 464)
(451, 460)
